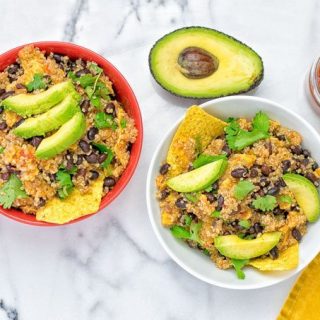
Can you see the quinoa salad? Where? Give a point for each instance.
(51, 146)
(243, 197)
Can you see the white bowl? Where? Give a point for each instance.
(195, 262)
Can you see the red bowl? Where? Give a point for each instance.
(124, 94)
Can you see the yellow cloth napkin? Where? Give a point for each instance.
(303, 302)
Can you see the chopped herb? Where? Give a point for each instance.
(285, 198)
(11, 191)
(187, 219)
(206, 252)
(104, 149)
(242, 189)
(101, 147)
(209, 189)
(238, 265)
(38, 82)
(266, 203)
(96, 102)
(86, 80)
(216, 214)
(72, 76)
(64, 177)
(245, 224)
(94, 68)
(123, 123)
(194, 231)
(238, 138)
(103, 120)
(1, 149)
(192, 197)
(180, 232)
(204, 159)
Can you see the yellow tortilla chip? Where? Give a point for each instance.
(196, 131)
(74, 206)
(288, 259)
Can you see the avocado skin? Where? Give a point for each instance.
(253, 86)
(68, 134)
(48, 121)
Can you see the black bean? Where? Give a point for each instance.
(79, 159)
(129, 146)
(52, 177)
(20, 86)
(312, 177)
(164, 194)
(69, 165)
(85, 104)
(17, 124)
(305, 161)
(1, 109)
(315, 166)
(109, 182)
(2, 91)
(82, 72)
(274, 253)
(252, 230)
(11, 168)
(268, 145)
(102, 157)
(81, 173)
(210, 197)
(94, 175)
(220, 202)
(296, 149)
(3, 125)
(282, 137)
(234, 223)
(92, 158)
(253, 173)
(13, 68)
(84, 145)
(296, 234)
(92, 133)
(277, 211)
(35, 141)
(42, 202)
(5, 176)
(286, 165)
(6, 95)
(239, 172)
(280, 183)
(266, 170)
(215, 186)
(57, 57)
(110, 109)
(181, 203)
(257, 227)
(273, 191)
(227, 150)
(164, 168)
(264, 182)
(306, 153)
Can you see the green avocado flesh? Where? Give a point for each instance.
(48, 121)
(198, 179)
(28, 104)
(305, 193)
(68, 134)
(198, 62)
(236, 248)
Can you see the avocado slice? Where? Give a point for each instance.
(68, 134)
(236, 248)
(305, 193)
(198, 179)
(27, 104)
(198, 62)
(48, 121)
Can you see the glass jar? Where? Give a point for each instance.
(313, 84)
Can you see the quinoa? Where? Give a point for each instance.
(39, 177)
(263, 163)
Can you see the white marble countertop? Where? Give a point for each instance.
(111, 266)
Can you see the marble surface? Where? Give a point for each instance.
(111, 266)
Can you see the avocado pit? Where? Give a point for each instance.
(197, 63)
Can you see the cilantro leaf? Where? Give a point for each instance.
(266, 203)
(110, 155)
(1, 149)
(206, 252)
(123, 123)
(93, 67)
(37, 83)
(192, 197)
(245, 224)
(242, 189)
(285, 198)
(194, 231)
(180, 232)
(204, 159)
(216, 214)
(238, 265)
(11, 191)
(187, 219)
(238, 138)
(103, 120)
(64, 177)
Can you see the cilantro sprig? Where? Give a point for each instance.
(64, 177)
(191, 234)
(285, 199)
(238, 266)
(103, 120)
(238, 138)
(11, 191)
(242, 189)
(38, 82)
(266, 203)
(204, 159)
(104, 149)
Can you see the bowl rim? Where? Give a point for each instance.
(150, 197)
(62, 48)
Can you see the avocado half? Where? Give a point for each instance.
(198, 62)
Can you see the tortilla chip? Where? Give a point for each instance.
(288, 259)
(196, 131)
(74, 206)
